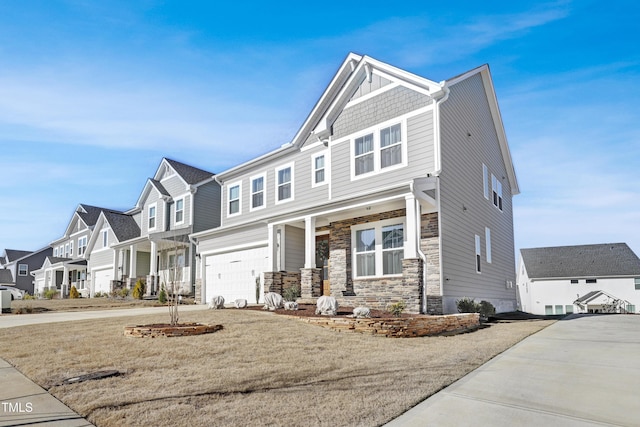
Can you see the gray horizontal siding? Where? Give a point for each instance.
(174, 185)
(469, 139)
(206, 206)
(101, 258)
(293, 248)
(237, 237)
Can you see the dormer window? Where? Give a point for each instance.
(152, 217)
(105, 238)
(179, 211)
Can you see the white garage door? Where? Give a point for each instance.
(102, 280)
(233, 275)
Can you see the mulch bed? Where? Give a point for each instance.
(309, 310)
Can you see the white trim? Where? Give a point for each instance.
(377, 149)
(153, 205)
(487, 241)
(175, 210)
(325, 168)
(394, 84)
(262, 175)
(258, 244)
(18, 270)
(478, 257)
(485, 181)
(228, 208)
(378, 251)
(291, 183)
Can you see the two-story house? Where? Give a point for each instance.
(17, 266)
(395, 187)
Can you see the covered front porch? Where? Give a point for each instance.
(371, 252)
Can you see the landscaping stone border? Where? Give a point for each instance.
(394, 327)
(165, 330)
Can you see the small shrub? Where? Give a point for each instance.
(27, 309)
(397, 308)
(138, 290)
(73, 293)
(292, 293)
(162, 296)
(124, 292)
(50, 293)
(467, 305)
(28, 296)
(486, 309)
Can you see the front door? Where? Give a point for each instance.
(322, 259)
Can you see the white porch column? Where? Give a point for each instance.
(154, 259)
(310, 242)
(413, 228)
(272, 246)
(65, 281)
(116, 262)
(133, 263)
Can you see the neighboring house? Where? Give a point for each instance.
(396, 187)
(579, 279)
(67, 264)
(179, 200)
(20, 264)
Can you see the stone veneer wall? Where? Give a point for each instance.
(430, 246)
(198, 292)
(310, 282)
(279, 281)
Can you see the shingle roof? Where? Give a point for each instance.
(123, 226)
(602, 260)
(13, 254)
(190, 174)
(6, 277)
(91, 214)
(159, 187)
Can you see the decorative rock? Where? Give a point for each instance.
(327, 306)
(291, 305)
(361, 312)
(272, 301)
(240, 303)
(217, 302)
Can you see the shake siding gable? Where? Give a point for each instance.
(174, 185)
(469, 139)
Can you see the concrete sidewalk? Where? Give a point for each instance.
(24, 403)
(581, 371)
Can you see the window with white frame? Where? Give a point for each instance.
(257, 192)
(179, 206)
(234, 199)
(319, 169)
(82, 245)
(378, 248)
(71, 248)
(152, 217)
(496, 187)
(485, 181)
(66, 250)
(478, 254)
(23, 269)
(105, 238)
(378, 150)
(284, 183)
(487, 242)
(55, 252)
(636, 282)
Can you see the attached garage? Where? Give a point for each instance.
(102, 280)
(233, 274)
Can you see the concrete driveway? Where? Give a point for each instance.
(581, 371)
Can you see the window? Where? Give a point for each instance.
(284, 184)
(364, 154)
(319, 168)
(487, 238)
(485, 181)
(66, 250)
(631, 308)
(378, 248)
(152, 217)
(548, 309)
(559, 309)
(105, 238)
(496, 186)
(592, 280)
(257, 192)
(23, 269)
(70, 248)
(392, 249)
(55, 254)
(478, 254)
(574, 281)
(390, 146)
(179, 211)
(82, 245)
(61, 251)
(637, 283)
(234, 199)
(378, 150)
(568, 309)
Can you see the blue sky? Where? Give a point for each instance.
(94, 94)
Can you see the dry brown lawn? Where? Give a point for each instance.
(78, 304)
(261, 369)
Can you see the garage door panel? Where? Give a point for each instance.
(233, 274)
(102, 280)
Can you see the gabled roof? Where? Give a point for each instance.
(13, 254)
(190, 174)
(601, 260)
(122, 225)
(6, 277)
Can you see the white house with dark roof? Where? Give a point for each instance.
(396, 187)
(579, 279)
